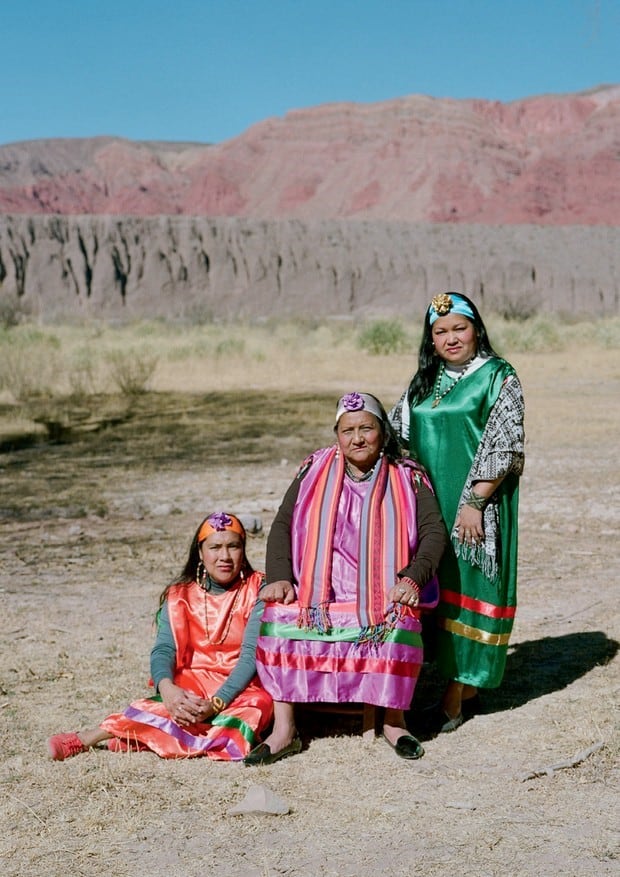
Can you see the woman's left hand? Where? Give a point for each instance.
(469, 525)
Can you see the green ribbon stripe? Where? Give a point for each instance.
(337, 634)
(224, 721)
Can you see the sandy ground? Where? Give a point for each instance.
(92, 532)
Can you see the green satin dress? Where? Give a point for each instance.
(478, 587)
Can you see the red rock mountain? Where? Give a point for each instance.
(552, 160)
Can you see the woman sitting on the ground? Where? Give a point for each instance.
(203, 666)
(351, 557)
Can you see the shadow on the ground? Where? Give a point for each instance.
(538, 667)
(153, 432)
(533, 668)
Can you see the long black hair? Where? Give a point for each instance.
(190, 570)
(423, 380)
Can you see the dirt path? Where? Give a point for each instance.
(91, 534)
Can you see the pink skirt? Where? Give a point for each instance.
(304, 666)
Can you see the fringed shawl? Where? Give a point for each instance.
(500, 454)
(384, 544)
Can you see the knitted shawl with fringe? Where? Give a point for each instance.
(383, 542)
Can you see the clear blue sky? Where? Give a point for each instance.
(205, 70)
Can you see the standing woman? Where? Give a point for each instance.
(462, 418)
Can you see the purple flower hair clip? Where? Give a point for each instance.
(219, 521)
(353, 402)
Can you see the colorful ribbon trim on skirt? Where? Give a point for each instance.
(383, 543)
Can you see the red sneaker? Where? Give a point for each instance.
(62, 746)
(116, 744)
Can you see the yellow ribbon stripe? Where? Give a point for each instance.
(481, 636)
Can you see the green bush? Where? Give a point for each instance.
(383, 337)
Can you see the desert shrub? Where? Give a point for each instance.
(306, 324)
(517, 306)
(132, 370)
(200, 314)
(533, 335)
(82, 374)
(604, 332)
(229, 347)
(383, 337)
(30, 364)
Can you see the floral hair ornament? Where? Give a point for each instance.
(447, 303)
(352, 402)
(217, 523)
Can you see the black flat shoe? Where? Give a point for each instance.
(407, 747)
(262, 753)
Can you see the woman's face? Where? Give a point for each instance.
(454, 339)
(360, 438)
(222, 554)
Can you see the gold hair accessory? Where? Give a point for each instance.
(442, 304)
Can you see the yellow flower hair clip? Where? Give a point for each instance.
(442, 304)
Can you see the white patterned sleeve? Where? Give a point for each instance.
(501, 449)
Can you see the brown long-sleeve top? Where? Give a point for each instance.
(432, 538)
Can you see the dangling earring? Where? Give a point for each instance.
(242, 574)
(201, 574)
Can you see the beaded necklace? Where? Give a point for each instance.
(366, 476)
(230, 617)
(358, 478)
(442, 370)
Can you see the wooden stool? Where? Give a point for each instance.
(369, 714)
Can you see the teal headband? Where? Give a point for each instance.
(449, 303)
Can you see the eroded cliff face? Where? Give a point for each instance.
(83, 267)
(343, 209)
